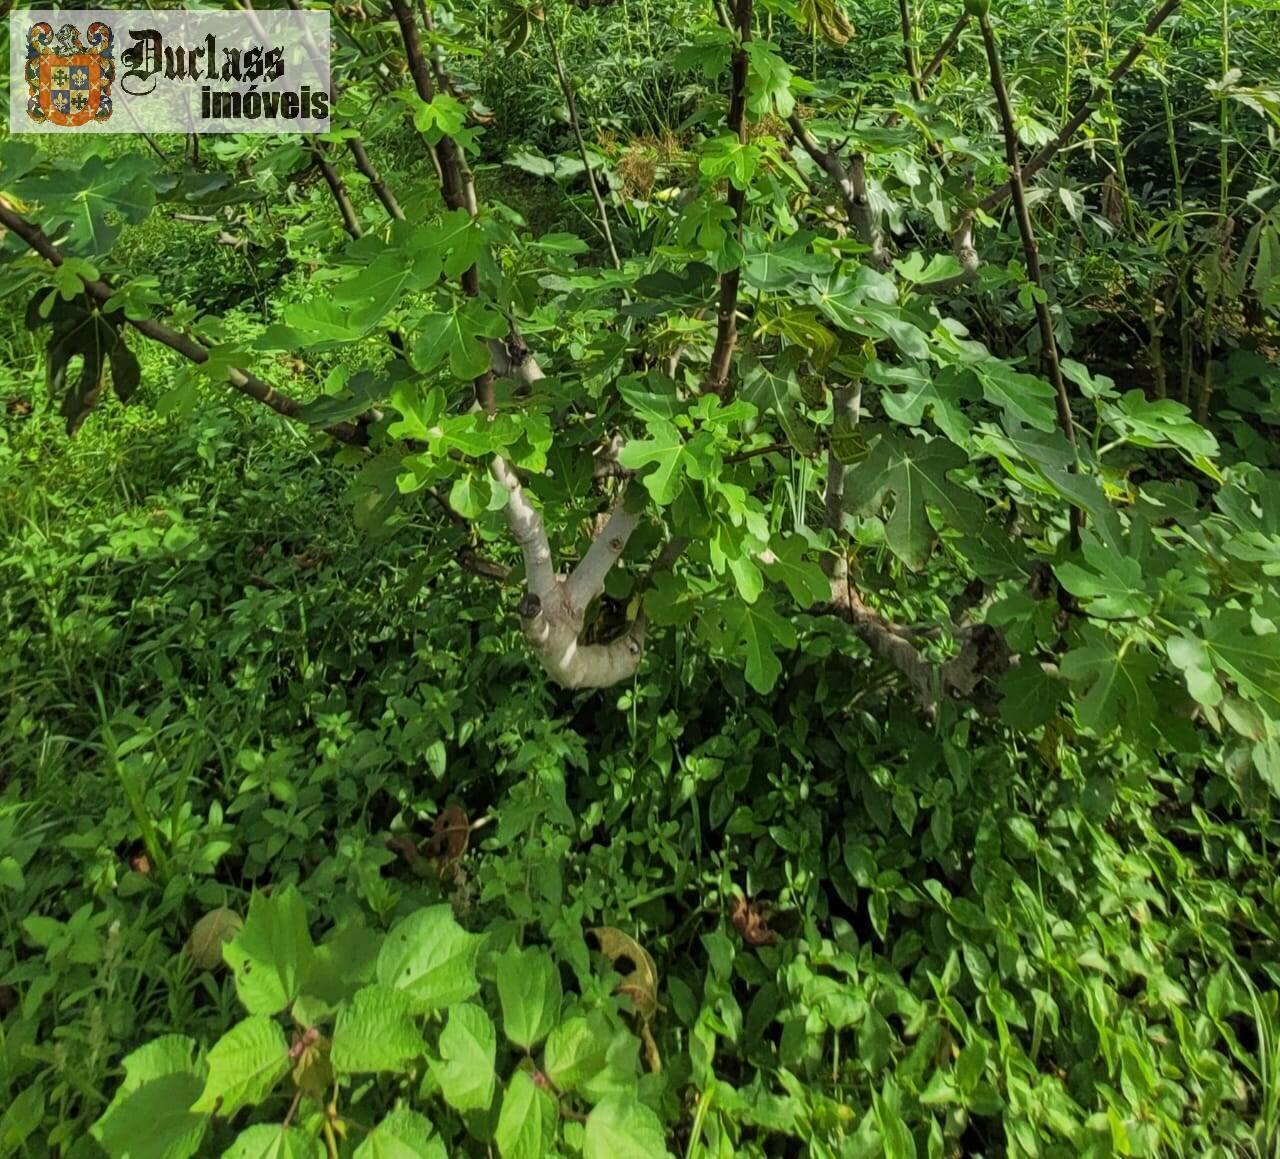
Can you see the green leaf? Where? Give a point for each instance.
(577, 1050)
(529, 990)
(1192, 657)
(403, 1134)
(1250, 660)
(783, 265)
(468, 1046)
(866, 303)
(271, 1141)
(1117, 679)
(375, 1032)
(149, 1117)
(443, 116)
(727, 157)
(1026, 397)
(1112, 585)
(92, 197)
(768, 81)
(470, 495)
(420, 411)
(914, 472)
(431, 959)
(778, 394)
(804, 578)
(759, 632)
(669, 454)
(527, 1122)
(1029, 696)
(459, 239)
(271, 955)
(1159, 423)
(459, 338)
(244, 1066)
(621, 1127)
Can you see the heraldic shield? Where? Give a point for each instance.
(68, 83)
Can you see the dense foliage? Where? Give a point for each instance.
(756, 632)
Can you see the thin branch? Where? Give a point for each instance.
(727, 312)
(1086, 110)
(239, 380)
(1030, 247)
(571, 100)
(376, 183)
(350, 222)
(909, 49)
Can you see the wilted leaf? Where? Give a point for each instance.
(209, 934)
(630, 959)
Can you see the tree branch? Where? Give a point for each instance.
(239, 380)
(571, 100)
(1031, 250)
(727, 312)
(586, 581)
(552, 610)
(1086, 110)
(376, 183)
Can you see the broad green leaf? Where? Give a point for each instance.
(1159, 423)
(1112, 585)
(470, 495)
(403, 1134)
(374, 1032)
(758, 631)
(529, 990)
(1192, 657)
(666, 449)
(421, 411)
(468, 1045)
(1029, 696)
(93, 197)
(577, 1050)
(914, 473)
(323, 320)
(727, 157)
(528, 1119)
(149, 1117)
(443, 116)
(768, 81)
(1117, 677)
(271, 956)
(244, 1066)
(1026, 397)
(621, 1127)
(458, 337)
(1250, 660)
(783, 265)
(866, 303)
(779, 394)
(942, 396)
(271, 1141)
(459, 240)
(804, 578)
(431, 959)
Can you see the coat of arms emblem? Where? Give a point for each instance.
(69, 80)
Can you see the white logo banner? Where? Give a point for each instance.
(94, 71)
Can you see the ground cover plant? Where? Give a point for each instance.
(694, 579)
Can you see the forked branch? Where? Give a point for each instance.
(554, 607)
